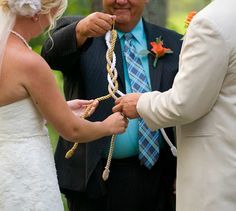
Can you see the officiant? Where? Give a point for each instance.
(143, 169)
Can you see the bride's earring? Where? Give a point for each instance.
(35, 18)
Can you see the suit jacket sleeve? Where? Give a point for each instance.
(202, 69)
(61, 51)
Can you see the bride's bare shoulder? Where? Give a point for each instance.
(27, 61)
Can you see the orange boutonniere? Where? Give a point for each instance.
(158, 50)
(189, 18)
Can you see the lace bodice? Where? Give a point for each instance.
(21, 119)
(28, 178)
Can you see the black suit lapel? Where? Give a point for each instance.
(119, 66)
(155, 72)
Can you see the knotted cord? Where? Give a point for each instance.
(112, 75)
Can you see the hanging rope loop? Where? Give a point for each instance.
(113, 86)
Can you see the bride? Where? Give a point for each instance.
(28, 95)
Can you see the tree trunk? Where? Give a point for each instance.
(156, 12)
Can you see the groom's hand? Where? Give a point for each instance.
(94, 25)
(127, 105)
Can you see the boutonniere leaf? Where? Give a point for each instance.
(144, 52)
(158, 50)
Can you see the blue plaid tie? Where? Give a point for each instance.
(148, 140)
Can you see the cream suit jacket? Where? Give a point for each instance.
(202, 104)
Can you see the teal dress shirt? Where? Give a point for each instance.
(126, 144)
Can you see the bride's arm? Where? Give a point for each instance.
(78, 107)
(40, 83)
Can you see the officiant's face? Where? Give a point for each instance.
(128, 12)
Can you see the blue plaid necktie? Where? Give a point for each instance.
(148, 140)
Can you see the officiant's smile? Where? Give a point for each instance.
(127, 12)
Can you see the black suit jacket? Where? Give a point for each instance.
(85, 77)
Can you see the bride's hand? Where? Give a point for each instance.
(79, 106)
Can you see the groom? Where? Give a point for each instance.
(202, 103)
(79, 51)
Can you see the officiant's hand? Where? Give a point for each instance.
(127, 105)
(94, 25)
(78, 106)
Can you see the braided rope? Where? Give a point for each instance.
(112, 75)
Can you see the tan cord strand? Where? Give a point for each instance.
(106, 171)
(109, 57)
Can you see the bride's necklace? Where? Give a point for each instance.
(22, 38)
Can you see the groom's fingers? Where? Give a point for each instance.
(118, 100)
(117, 108)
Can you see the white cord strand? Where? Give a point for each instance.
(112, 65)
(172, 147)
(111, 78)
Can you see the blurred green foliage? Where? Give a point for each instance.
(178, 10)
(53, 134)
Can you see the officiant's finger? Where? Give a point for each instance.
(103, 20)
(104, 25)
(117, 108)
(98, 31)
(94, 25)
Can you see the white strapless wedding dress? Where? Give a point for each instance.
(28, 180)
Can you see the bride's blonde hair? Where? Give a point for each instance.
(46, 7)
(8, 16)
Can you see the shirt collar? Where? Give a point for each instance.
(137, 32)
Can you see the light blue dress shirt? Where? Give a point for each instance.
(126, 145)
